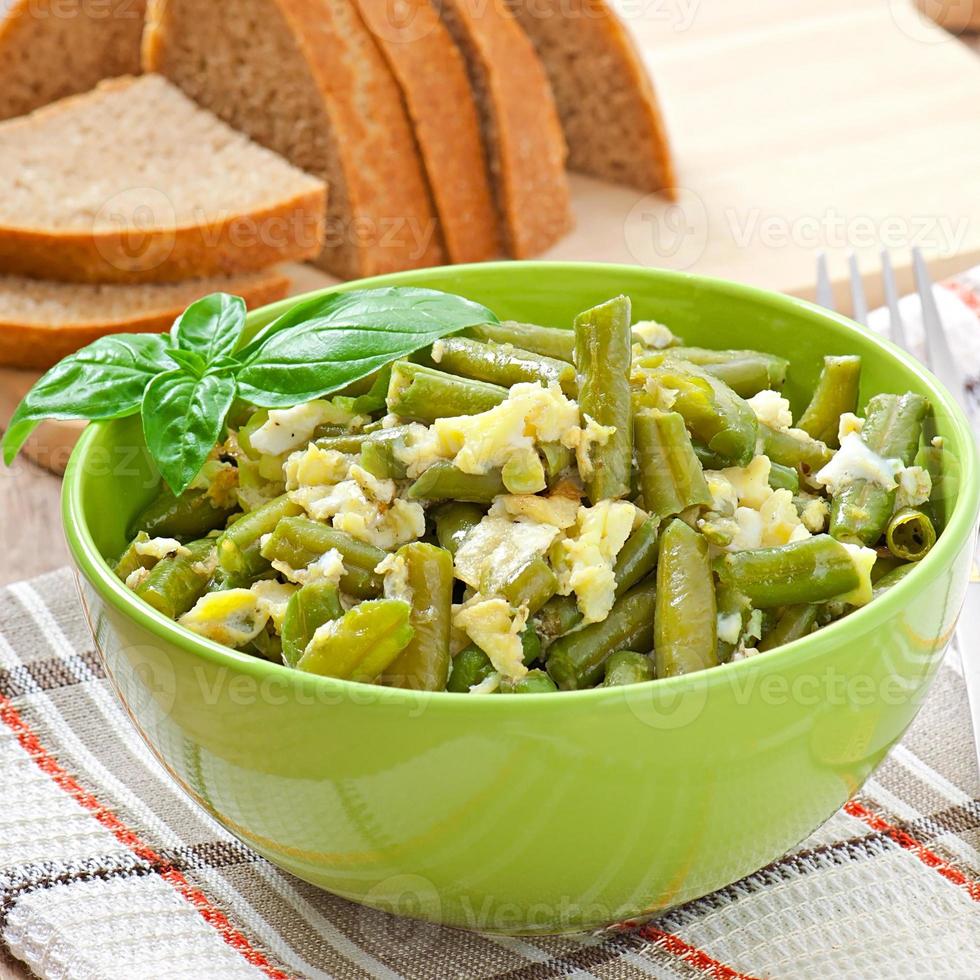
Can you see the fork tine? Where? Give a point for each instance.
(859, 303)
(825, 292)
(896, 326)
(939, 356)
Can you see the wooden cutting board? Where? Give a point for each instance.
(797, 127)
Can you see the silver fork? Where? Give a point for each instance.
(940, 360)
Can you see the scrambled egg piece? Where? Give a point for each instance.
(496, 629)
(914, 487)
(366, 508)
(559, 510)
(856, 461)
(729, 627)
(584, 561)
(770, 407)
(231, 617)
(748, 530)
(159, 548)
(136, 577)
(313, 466)
(271, 599)
(781, 522)
(848, 423)
(329, 567)
(582, 440)
(815, 515)
(864, 559)
(289, 428)
(653, 334)
(496, 550)
(394, 568)
(750, 483)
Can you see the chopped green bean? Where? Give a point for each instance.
(454, 520)
(533, 682)
(671, 479)
(424, 394)
(174, 584)
(547, 341)
(746, 372)
(501, 364)
(892, 579)
(794, 622)
(686, 617)
(577, 659)
(445, 481)
(910, 534)
(532, 587)
(239, 547)
(307, 610)
(471, 666)
(603, 356)
(835, 394)
(187, 517)
(628, 667)
(784, 478)
(784, 448)
(131, 559)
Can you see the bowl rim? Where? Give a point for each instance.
(953, 539)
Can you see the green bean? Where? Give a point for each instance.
(423, 665)
(628, 667)
(445, 481)
(835, 394)
(187, 517)
(860, 511)
(636, 560)
(362, 643)
(805, 455)
(783, 477)
(730, 602)
(794, 622)
(531, 646)
(746, 372)
(892, 579)
(131, 559)
(501, 364)
(351, 443)
(239, 546)
(910, 534)
(603, 357)
(299, 541)
(577, 659)
(454, 520)
(548, 341)
(222, 581)
(718, 418)
(470, 667)
(686, 616)
(380, 458)
(424, 394)
(267, 645)
(557, 459)
(174, 584)
(307, 610)
(709, 460)
(533, 586)
(814, 570)
(533, 682)
(671, 479)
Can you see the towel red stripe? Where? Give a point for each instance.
(907, 841)
(214, 917)
(698, 958)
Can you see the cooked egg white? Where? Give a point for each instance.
(914, 487)
(394, 568)
(496, 629)
(496, 550)
(272, 598)
(652, 334)
(772, 408)
(231, 617)
(314, 467)
(289, 428)
(856, 461)
(159, 548)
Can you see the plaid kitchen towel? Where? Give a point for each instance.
(108, 871)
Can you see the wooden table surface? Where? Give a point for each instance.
(31, 534)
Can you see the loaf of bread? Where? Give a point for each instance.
(53, 48)
(306, 79)
(133, 182)
(608, 107)
(521, 129)
(42, 322)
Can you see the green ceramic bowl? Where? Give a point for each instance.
(540, 813)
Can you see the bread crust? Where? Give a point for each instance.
(525, 140)
(601, 43)
(391, 224)
(432, 75)
(38, 347)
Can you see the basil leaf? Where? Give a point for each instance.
(182, 420)
(189, 360)
(105, 380)
(330, 341)
(211, 326)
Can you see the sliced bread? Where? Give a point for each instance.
(605, 97)
(521, 129)
(432, 76)
(53, 48)
(305, 78)
(133, 182)
(42, 322)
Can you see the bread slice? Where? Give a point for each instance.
(305, 78)
(132, 182)
(605, 97)
(42, 322)
(521, 130)
(53, 48)
(432, 76)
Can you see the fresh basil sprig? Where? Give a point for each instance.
(185, 383)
